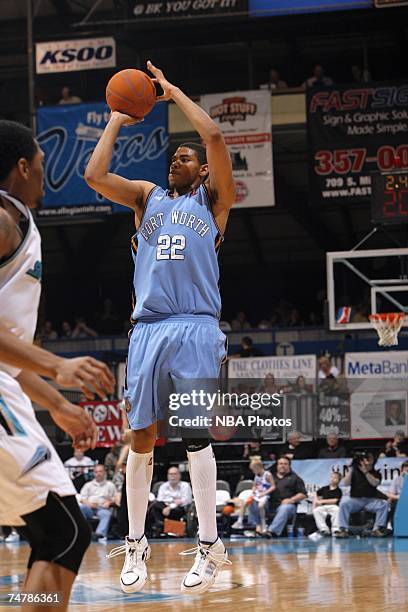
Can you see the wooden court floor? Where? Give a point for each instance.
(360, 575)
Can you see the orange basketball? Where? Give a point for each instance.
(131, 92)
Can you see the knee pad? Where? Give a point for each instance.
(193, 445)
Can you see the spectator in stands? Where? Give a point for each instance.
(333, 450)
(396, 447)
(301, 387)
(173, 499)
(326, 369)
(96, 500)
(264, 324)
(359, 314)
(395, 489)
(262, 488)
(274, 82)
(326, 503)
(82, 330)
(290, 490)
(363, 480)
(295, 448)
(359, 74)
(252, 449)
(269, 385)
(111, 459)
(78, 466)
(118, 481)
(394, 412)
(66, 330)
(240, 323)
(247, 349)
(225, 326)
(66, 97)
(47, 332)
(318, 79)
(294, 319)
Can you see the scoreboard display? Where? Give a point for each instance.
(389, 201)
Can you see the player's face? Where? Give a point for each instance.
(185, 169)
(36, 179)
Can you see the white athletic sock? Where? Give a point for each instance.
(139, 472)
(203, 475)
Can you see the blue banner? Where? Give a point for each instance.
(68, 135)
(266, 8)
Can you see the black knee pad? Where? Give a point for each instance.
(193, 445)
(58, 532)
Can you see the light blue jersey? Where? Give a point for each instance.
(175, 256)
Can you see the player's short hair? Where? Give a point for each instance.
(199, 149)
(16, 141)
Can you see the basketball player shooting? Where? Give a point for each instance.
(37, 495)
(176, 333)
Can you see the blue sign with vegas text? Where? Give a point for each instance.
(68, 135)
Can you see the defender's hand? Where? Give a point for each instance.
(77, 423)
(166, 86)
(87, 374)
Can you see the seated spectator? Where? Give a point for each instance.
(82, 330)
(395, 447)
(247, 348)
(78, 466)
(264, 324)
(269, 385)
(318, 79)
(118, 481)
(240, 323)
(394, 412)
(326, 503)
(326, 369)
(252, 449)
(262, 488)
(274, 82)
(395, 489)
(225, 326)
(66, 97)
(96, 500)
(360, 75)
(360, 314)
(47, 332)
(295, 448)
(173, 499)
(363, 480)
(290, 490)
(66, 330)
(111, 459)
(333, 450)
(301, 387)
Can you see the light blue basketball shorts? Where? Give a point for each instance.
(164, 358)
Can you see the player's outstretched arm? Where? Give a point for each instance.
(72, 419)
(85, 373)
(112, 186)
(221, 182)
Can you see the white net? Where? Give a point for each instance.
(387, 326)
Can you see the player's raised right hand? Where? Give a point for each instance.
(124, 119)
(87, 374)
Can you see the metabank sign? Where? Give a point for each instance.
(70, 55)
(354, 131)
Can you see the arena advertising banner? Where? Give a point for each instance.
(284, 368)
(376, 365)
(352, 132)
(71, 55)
(108, 419)
(151, 9)
(267, 8)
(378, 414)
(316, 472)
(245, 120)
(68, 135)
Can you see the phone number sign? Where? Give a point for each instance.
(352, 132)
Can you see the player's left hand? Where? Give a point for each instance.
(77, 423)
(159, 78)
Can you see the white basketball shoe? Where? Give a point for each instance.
(134, 573)
(209, 561)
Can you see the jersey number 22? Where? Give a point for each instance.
(170, 247)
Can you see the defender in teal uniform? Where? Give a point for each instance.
(175, 338)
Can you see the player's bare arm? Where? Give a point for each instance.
(72, 419)
(9, 236)
(85, 373)
(116, 188)
(221, 182)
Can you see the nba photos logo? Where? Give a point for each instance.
(233, 109)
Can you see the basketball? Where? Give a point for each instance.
(131, 92)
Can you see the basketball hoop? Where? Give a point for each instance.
(387, 325)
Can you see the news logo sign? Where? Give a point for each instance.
(71, 55)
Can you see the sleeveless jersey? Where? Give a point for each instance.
(20, 283)
(175, 256)
(261, 483)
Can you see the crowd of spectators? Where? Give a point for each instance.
(318, 78)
